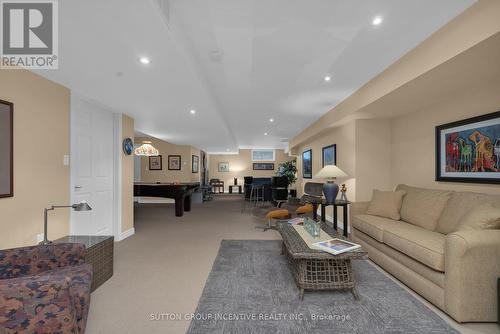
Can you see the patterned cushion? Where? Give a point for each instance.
(33, 260)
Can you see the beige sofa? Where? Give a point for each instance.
(455, 270)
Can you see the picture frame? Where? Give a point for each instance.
(469, 150)
(329, 155)
(195, 164)
(307, 164)
(223, 167)
(155, 162)
(6, 149)
(263, 166)
(174, 162)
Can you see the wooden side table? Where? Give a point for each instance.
(337, 203)
(98, 253)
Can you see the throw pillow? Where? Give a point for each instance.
(485, 216)
(386, 204)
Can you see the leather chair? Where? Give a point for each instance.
(279, 190)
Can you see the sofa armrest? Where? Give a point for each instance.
(472, 267)
(37, 305)
(358, 208)
(32, 260)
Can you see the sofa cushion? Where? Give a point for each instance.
(386, 204)
(458, 206)
(423, 207)
(485, 216)
(374, 226)
(423, 245)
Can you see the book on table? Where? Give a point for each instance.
(296, 221)
(335, 246)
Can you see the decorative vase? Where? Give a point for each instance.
(235, 181)
(331, 190)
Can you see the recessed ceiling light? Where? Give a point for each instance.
(271, 120)
(265, 133)
(192, 111)
(145, 60)
(328, 78)
(377, 20)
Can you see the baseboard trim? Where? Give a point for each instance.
(124, 235)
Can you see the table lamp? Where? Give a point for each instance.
(330, 189)
(82, 206)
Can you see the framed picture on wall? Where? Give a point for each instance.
(6, 149)
(155, 163)
(329, 155)
(174, 162)
(195, 164)
(223, 167)
(263, 166)
(307, 164)
(469, 150)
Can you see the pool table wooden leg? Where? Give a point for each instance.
(179, 207)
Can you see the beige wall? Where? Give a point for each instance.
(41, 139)
(165, 175)
(373, 157)
(127, 177)
(241, 165)
(344, 137)
(413, 138)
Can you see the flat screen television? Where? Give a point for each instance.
(6, 149)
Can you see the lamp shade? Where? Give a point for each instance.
(82, 206)
(330, 172)
(146, 149)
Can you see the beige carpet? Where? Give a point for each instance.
(162, 269)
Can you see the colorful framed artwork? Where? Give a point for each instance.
(469, 150)
(223, 167)
(6, 149)
(307, 164)
(174, 162)
(329, 155)
(263, 166)
(195, 164)
(155, 162)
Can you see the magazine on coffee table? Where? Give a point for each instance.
(335, 246)
(296, 221)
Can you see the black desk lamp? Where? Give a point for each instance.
(82, 206)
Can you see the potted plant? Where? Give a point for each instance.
(289, 170)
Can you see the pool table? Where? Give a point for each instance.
(180, 192)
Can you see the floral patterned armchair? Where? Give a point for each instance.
(44, 289)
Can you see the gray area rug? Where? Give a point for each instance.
(251, 290)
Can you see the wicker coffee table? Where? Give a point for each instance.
(317, 270)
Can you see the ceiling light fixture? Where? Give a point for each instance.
(328, 78)
(146, 149)
(145, 60)
(377, 20)
(192, 111)
(271, 120)
(265, 133)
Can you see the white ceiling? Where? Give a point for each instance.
(236, 62)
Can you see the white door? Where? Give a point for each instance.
(91, 167)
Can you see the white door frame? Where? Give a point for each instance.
(117, 165)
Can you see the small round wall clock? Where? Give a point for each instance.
(128, 146)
